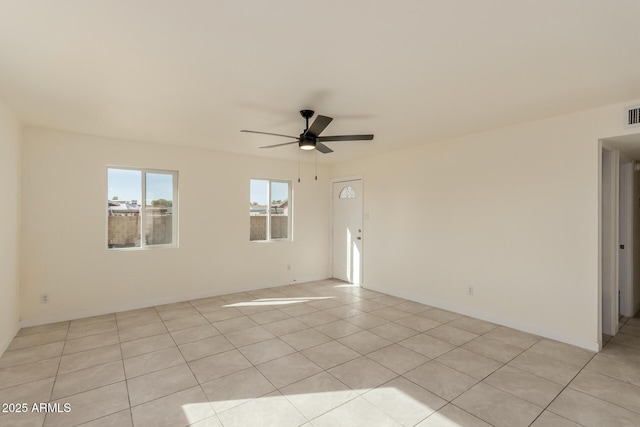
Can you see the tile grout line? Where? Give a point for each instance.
(55, 378)
(478, 381)
(121, 359)
(125, 382)
(507, 363)
(160, 370)
(610, 377)
(253, 366)
(358, 395)
(596, 397)
(247, 315)
(296, 351)
(189, 367)
(169, 332)
(546, 408)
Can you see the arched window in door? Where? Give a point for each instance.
(347, 193)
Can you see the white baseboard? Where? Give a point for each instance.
(61, 317)
(554, 335)
(4, 344)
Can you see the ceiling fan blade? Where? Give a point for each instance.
(267, 133)
(346, 138)
(280, 145)
(323, 148)
(318, 125)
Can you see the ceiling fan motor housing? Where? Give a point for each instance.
(307, 142)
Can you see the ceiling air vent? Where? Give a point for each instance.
(633, 116)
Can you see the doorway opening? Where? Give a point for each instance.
(619, 232)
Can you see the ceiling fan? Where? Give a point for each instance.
(310, 138)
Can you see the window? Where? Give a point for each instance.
(141, 208)
(347, 193)
(269, 210)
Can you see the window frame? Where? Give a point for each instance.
(268, 239)
(143, 208)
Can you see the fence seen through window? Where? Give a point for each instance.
(269, 210)
(141, 208)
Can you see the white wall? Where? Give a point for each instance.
(9, 226)
(64, 247)
(512, 212)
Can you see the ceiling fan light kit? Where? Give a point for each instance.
(307, 145)
(310, 138)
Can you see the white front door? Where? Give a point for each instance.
(347, 231)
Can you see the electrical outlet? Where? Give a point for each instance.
(44, 298)
(470, 290)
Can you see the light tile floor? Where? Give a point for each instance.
(322, 354)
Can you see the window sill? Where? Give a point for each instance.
(143, 248)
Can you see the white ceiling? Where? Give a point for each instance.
(195, 72)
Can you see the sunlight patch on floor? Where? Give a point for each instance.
(261, 303)
(275, 301)
(335, 398)
(198, 411)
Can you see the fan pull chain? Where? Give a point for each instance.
(316, 164)
(298, 165)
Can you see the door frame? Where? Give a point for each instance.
(626, 235)
(610, 250)
(331, 182)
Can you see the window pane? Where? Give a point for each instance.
(124, 195)
(159, 209)
(347, 193)
(258, 203)
(279, 210)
